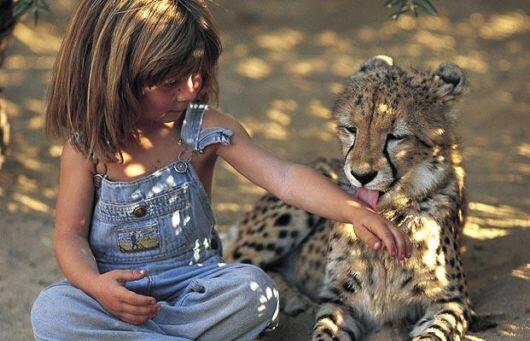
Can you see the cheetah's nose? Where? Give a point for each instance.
(364, 178)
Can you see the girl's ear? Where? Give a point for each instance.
(452, 82)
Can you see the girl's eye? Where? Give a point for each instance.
(171, 84)
(350, 129)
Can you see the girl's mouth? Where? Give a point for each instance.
(174, 112)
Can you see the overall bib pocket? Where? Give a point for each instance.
(148, 229)
(138, 238)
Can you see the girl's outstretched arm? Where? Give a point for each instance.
(305, 188)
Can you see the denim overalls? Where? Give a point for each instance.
(163, 223)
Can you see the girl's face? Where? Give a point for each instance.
(166, 102)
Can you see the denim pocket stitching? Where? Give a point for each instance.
(138, 238)
(157, 206)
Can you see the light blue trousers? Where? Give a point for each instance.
(205, 301)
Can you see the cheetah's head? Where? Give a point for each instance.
(396, 129)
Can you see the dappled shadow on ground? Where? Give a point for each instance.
(282, 66)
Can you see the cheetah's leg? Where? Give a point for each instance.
(441, 322)
(346, 271)
(335, 321)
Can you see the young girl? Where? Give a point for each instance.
(135, 233)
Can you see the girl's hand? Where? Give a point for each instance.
(303, 187)
(376, 231)
(125, 304)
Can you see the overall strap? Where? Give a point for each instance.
(194, 136)
(191, 127)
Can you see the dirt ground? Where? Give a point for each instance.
(283, 63)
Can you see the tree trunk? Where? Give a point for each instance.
(7, 23)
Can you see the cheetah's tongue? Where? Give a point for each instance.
(368, 196)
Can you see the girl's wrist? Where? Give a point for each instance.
(90, 284)
(353, 212)
(361, 213)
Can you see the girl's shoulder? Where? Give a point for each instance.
(71, 152)
(73, 161)
(232, 134)
(215, 118)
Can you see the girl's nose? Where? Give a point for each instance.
(188, 90)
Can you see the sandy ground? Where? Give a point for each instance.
(284, 61)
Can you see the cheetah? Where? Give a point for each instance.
(396, 132)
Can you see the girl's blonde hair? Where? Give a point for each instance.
(111, 51)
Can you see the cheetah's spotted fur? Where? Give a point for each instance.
(396, 132)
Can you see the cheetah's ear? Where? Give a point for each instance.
(452, 81)
(375, 63)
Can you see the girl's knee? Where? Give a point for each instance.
(45, 308)
(262, 294)
(254, 275)
(50, 309)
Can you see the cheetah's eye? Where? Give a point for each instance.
(397, 137)
(350, 129)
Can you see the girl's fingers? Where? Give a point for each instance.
(133, 298)
(139, 310)
(400, 241)
(386, 236)
(128, 275)
(134, 319)
(383, 232)
(368, 237)
(407, 242)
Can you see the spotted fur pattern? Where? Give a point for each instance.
(396, 132)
